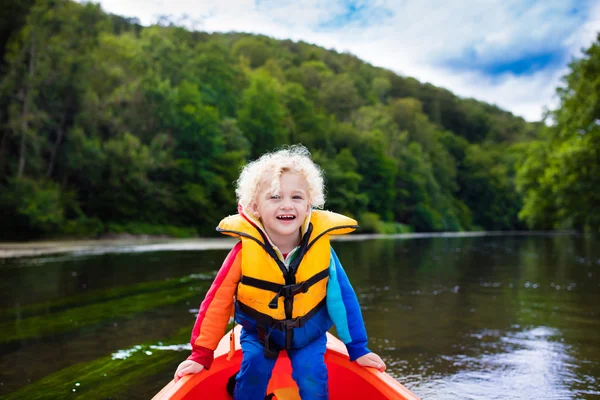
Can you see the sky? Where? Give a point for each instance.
(511, 53)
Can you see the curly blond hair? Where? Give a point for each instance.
(294, 158)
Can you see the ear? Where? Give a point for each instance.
(253, 208)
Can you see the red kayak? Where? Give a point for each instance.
(347, 380)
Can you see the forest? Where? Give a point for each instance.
(110, 127)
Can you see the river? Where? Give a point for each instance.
(490, 317)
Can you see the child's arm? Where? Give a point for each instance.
(215, 310)
(344, 310)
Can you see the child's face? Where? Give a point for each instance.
(283, 213)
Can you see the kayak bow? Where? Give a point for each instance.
(347, 380)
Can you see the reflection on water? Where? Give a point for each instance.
(521, 364)
(455, 318)
(483, 318)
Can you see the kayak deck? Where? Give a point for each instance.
(347, 380)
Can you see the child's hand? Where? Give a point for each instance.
(371, 360)
(187, 367)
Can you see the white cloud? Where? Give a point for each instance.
(414, 38)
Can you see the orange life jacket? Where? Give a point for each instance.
(278, 295)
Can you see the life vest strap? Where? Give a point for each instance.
(266, 324)
(285, 291)
(280, 324)
(261, 284)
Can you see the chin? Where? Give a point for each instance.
(289, 232)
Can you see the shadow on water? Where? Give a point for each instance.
(467, 317)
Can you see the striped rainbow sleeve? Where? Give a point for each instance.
(215, 310)
(344, 310)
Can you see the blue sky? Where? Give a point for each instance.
(511, 53)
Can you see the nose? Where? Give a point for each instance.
(286, 204)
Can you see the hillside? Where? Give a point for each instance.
(113, 127)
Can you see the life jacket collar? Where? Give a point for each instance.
(324, 222)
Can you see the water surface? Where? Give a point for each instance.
(503, 317)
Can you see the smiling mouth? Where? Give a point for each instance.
(286, 217)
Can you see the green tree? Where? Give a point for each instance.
(219, 76)
(43, 80)
(339, 96)
(253, 49)
(305, 123)
(262, 115)
(33, 206)
(343, 182)
(559, 179)
(487, 187)
(381, 88)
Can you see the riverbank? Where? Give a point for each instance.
(101, 246)
(141, 244)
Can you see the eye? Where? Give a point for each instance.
(297, 197)
(275, 197)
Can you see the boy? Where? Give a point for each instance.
(284, 279)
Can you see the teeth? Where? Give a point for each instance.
(286, 217)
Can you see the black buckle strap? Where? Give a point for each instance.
(270, 350)
(261, 284)
(269, 322)
(266, 324)
(287, 324)
(287, 292)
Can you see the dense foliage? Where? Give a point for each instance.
(560, 177)
(108, 126)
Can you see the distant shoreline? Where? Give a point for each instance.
(103, 246)
(137, 244)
